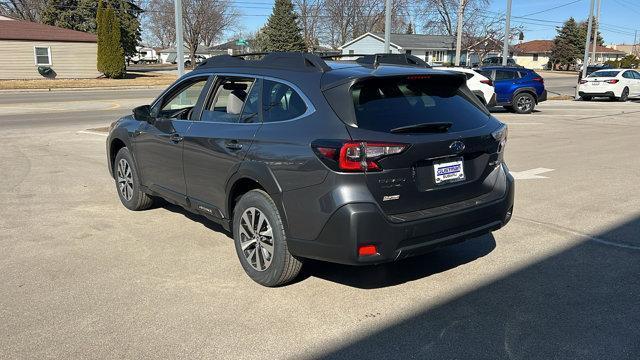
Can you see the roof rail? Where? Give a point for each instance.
(384, 58)
(274, 60)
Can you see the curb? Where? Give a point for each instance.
(140, 87)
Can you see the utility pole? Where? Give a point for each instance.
(459, 32)
(387, 26)
(635, 41)
(585, 61)
(179, 38)
(595, 34)
(507, 33)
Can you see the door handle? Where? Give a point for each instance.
(233, 145)
(175, 138)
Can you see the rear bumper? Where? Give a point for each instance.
(596, 94)
(399, 236)
(543, 96)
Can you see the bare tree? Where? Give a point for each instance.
(23, 9)
(160, 22)
(309, 15)
(441, 16)
(345, 20)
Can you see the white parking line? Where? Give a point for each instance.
(90, 132)
(530, 174)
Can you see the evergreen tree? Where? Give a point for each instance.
(282, 32)
(101, 32)
(583, 34)
(111, 50)
(567, 48)
(81, 15)
(410, 28)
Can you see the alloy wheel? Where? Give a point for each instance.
(524, 103)
(256, 239)
(125, 179)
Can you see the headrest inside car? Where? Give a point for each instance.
(234, 86)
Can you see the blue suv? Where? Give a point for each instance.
(517, 89)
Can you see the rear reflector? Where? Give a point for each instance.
(583, 81)
(367, 250)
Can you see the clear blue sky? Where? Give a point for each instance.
(619, 17)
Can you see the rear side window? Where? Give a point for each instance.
(628, 75)
(228, 100)
(506, 75)
(388, 103)
(485, 73)
(604, 73)
(281, 102)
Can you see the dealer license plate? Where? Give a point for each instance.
(448, 171)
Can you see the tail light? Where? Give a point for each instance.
(583, 81)
(488, 82)
(612, 81)
(500, 135)
(355, 155)
(538, 79)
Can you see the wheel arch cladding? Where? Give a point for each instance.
(115, 146)
(531, 91)
(253, 175)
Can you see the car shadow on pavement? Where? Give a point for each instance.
(580, 303)
(395, 273)
(209, 224)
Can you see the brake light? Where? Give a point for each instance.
(487, 81)
(500, 136)
(612, 81)
(583, 81)
(355, 155)
(538, 79)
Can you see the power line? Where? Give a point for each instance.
(553, 8)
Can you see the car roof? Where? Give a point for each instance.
(306, 70)
(497, 67)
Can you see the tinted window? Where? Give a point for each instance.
(604, 73)
(228, 100)
(385, 104)
(628, 75)
(636, 75)
(506, 75)
(485, 73)
(186, 96)
(281, 102)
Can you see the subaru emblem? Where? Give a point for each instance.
(457, 147)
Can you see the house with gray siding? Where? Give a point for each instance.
(437, 50)
(434, 49)
(26, 46)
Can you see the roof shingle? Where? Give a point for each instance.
(25, 30)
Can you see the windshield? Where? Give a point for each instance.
(391, 103)
(604, 73)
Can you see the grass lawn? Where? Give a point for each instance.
(132, 79)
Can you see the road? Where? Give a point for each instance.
(560, 83)
(82, 277)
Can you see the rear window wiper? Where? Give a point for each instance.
(424, 127)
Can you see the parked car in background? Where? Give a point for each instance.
(517, 89)
(497, 61)
(187, 60)
(615, 84)
(144, 55)
(594, 68)
(303, 158)
(480, 85)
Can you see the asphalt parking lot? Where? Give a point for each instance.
(82, 277)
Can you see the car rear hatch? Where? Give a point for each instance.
(427, 140)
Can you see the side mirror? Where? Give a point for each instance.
(143, 113)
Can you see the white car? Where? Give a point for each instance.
(617, 84)
(480, 85)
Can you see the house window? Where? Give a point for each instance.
(42, 55)
(408, 52)
(351, 52)
(535, 57)
(437, 56)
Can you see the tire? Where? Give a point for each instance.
(524, 103)
(625, 95)
(128, 182)
(586, 98)
(269, 268)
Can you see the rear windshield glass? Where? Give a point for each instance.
(604, 73)
(385, 104)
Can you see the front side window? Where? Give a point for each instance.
(179, 102)
(228, 99)
(281, 102)
(42, 55)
